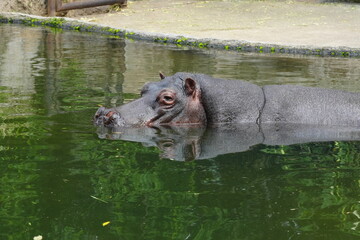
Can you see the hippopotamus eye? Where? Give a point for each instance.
(166, 98)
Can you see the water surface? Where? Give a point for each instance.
(59, 179)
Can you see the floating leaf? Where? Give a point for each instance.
(105, 223)
(98, 199)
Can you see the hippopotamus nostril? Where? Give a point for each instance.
(107, 118)
(103, 116)
(109, 114)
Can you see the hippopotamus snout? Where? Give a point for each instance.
(107, 117)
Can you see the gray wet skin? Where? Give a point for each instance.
(197, 99)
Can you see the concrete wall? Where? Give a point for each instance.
(36, 7)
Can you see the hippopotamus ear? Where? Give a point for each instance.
(162, 76)
(190, 87)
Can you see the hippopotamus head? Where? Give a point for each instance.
(174, 100)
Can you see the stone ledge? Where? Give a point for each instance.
(234, 45)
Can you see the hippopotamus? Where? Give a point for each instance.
(196, 99)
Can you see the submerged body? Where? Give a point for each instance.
(186, 98)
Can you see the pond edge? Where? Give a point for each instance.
(233, 45)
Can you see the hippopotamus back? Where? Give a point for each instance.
(310, 105)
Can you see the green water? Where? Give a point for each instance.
(58, 179)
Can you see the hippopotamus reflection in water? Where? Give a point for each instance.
(184, 143)
(196, 100)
